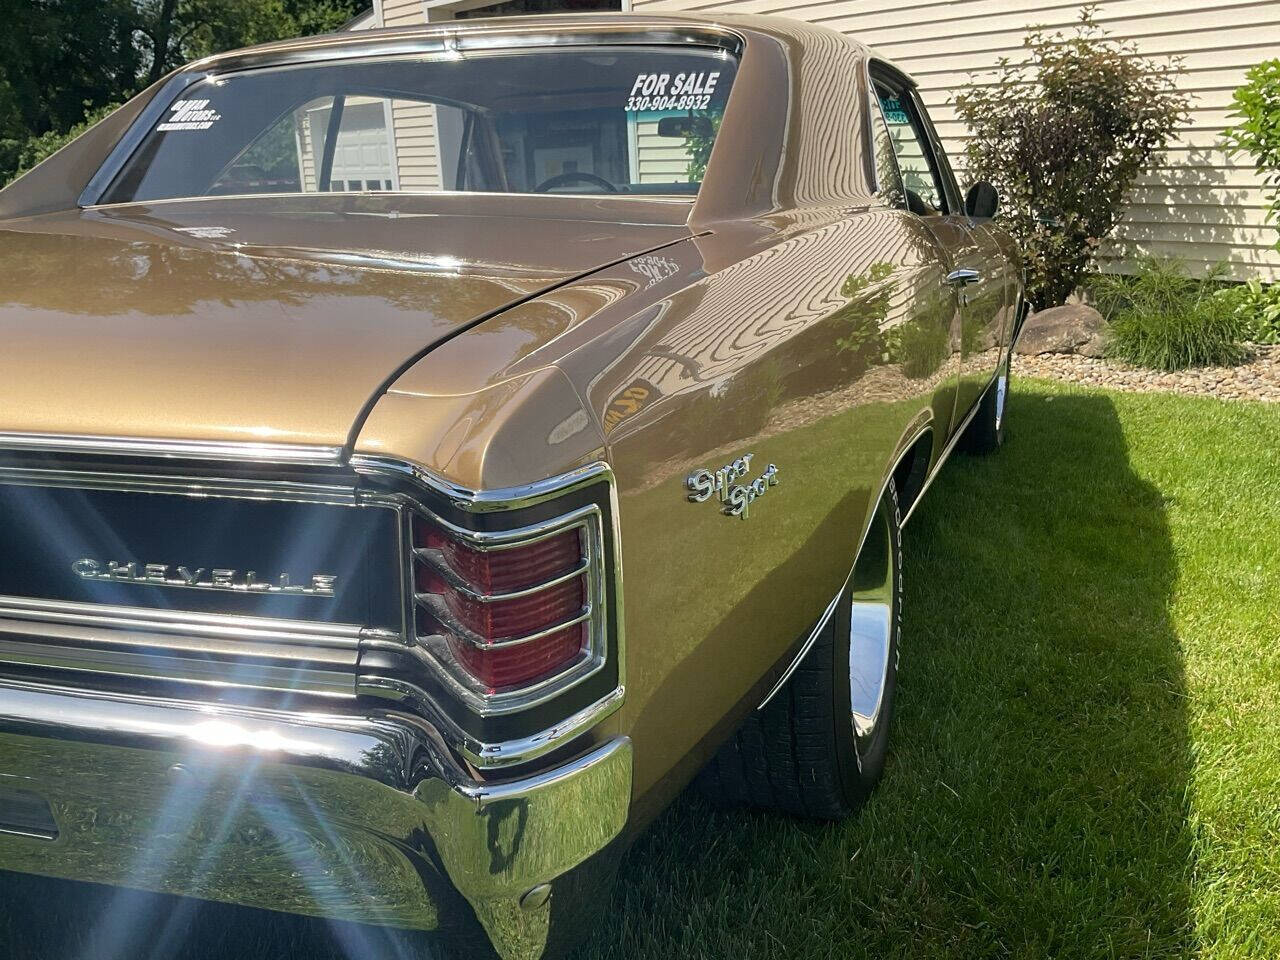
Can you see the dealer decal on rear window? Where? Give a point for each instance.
(190, 115)
(665, 91)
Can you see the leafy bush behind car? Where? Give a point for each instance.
(1257, 105)
(1063, 137)
(1167, 320)
(1257, 307)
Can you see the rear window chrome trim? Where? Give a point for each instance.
(454, 38)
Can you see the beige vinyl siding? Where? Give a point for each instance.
(658, 159)
(413, 125)
(401, 13)
(1198, 205)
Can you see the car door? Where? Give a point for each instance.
(926, 189)
(987, 304)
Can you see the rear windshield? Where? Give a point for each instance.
(598, 121)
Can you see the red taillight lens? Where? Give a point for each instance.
(518, 666)
(519, 616)
(511, 615)
(498, 571)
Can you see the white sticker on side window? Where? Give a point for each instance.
(190, 115)
(679, 91)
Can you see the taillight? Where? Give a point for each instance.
(509, 612)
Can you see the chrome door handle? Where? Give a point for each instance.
(962, 278)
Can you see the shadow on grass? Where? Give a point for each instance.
(1036, 799)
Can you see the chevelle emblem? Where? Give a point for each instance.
(736, 497)
(202, 578)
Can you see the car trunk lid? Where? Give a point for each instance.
(273, 320)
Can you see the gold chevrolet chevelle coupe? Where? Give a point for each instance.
(423, 452)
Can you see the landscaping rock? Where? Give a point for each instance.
(1258, 378)
(1073, 328)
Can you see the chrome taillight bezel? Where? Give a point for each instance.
(589, 521)
(402, 671)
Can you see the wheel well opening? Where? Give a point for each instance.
(910, 473)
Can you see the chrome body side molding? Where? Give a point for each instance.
(904, 447)
(946, 451)
(903, 450)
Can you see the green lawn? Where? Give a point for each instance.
(1086, 757)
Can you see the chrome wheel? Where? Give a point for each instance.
(797, 752)
(872, 623)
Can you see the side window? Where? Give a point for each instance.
(921, 183)
(888, 178)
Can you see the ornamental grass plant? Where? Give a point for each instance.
(1164, 319)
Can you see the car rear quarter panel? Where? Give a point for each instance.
(808, 341)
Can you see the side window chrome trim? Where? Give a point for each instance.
(950, 186)
(875, 114)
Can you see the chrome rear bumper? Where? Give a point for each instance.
(366, 818)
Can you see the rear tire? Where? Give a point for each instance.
(985, 433)
(818, 748)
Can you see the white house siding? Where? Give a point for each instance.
(1198, 205)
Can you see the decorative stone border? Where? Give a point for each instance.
(1256, 379)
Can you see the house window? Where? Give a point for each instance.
(515, 8)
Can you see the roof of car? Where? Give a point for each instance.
(667, 27)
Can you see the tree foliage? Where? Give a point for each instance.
(63, 62)
(698, 147)
(38, 148)
(1257, 104)
(1063, 136)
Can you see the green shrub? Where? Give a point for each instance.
(1257, 307)
(1164, 319)
(1063, 137)
(1257, 105)
(38, 149)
